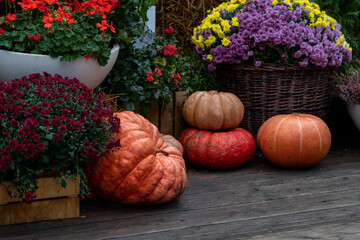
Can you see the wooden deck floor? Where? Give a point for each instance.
(258, 201)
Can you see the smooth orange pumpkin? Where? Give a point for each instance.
(172, 141)
(213, 110)
(144, 170)
(294, 140)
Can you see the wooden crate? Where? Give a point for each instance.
(52, 202)
(169, 121)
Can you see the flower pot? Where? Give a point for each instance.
(354, 112)
(16, 65)
(52, 202)
(274, 89)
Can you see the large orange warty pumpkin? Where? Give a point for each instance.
(217, 150)
(294, 140)
(144, 170)
(213, 110)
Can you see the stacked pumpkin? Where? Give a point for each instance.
(144, 170)
(215, 141)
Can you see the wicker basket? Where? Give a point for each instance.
(273, 89)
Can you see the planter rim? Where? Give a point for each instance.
(114, 49)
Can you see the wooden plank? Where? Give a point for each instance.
(40, 210)
(325, 208)
(246, 202)
(247, 191)
(344, 231)
(47, 188)
(167, 118)
(179, 121)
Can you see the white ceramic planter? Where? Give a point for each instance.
(354, 112)
(16, 65)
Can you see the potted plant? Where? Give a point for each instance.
(348, 89)
(50, 126)
(277, 56)
(85, 33)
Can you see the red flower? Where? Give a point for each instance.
(170, 50)
(41, 146)
(87, 57)
(14, 123)
(77, 126)
(150, 79)
(87, 144)
(45, 105)
(66, 112)
(28, 198)
(19, 148)
(2, 31)
(46, 122)
(158, 72)
(10, 17)
(48, 20)
(63, 129)
(37, 37)
(5, 162)
(57, 138)
(56, 122)
(169, 30)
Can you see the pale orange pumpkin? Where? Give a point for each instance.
(294, 140)
(172, 141)
(144, 170)
(213, 110)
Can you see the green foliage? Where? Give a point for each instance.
(130, 75)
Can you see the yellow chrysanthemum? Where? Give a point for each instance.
(231, 7)
(225, 42)
(235, 21)
(216, 28)
(210, 41)
(221, 34)
(210, 57)
(226, 26)
(274, 2)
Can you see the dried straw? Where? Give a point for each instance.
(183, 16)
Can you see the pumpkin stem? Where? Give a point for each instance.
(161, 151)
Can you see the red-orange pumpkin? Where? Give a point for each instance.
(144, 170)
(172, 141)
(294, 140)
(217, 150)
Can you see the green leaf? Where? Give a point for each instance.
(130, 106)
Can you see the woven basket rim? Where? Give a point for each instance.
(272, 67)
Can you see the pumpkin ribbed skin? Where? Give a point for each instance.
(217, 150)
(213, 110)
(171, 141)
(136, 173)
(294, 140)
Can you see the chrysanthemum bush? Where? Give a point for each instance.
(348, 85)
(51, 126)
(271, 31)
(65, 28)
